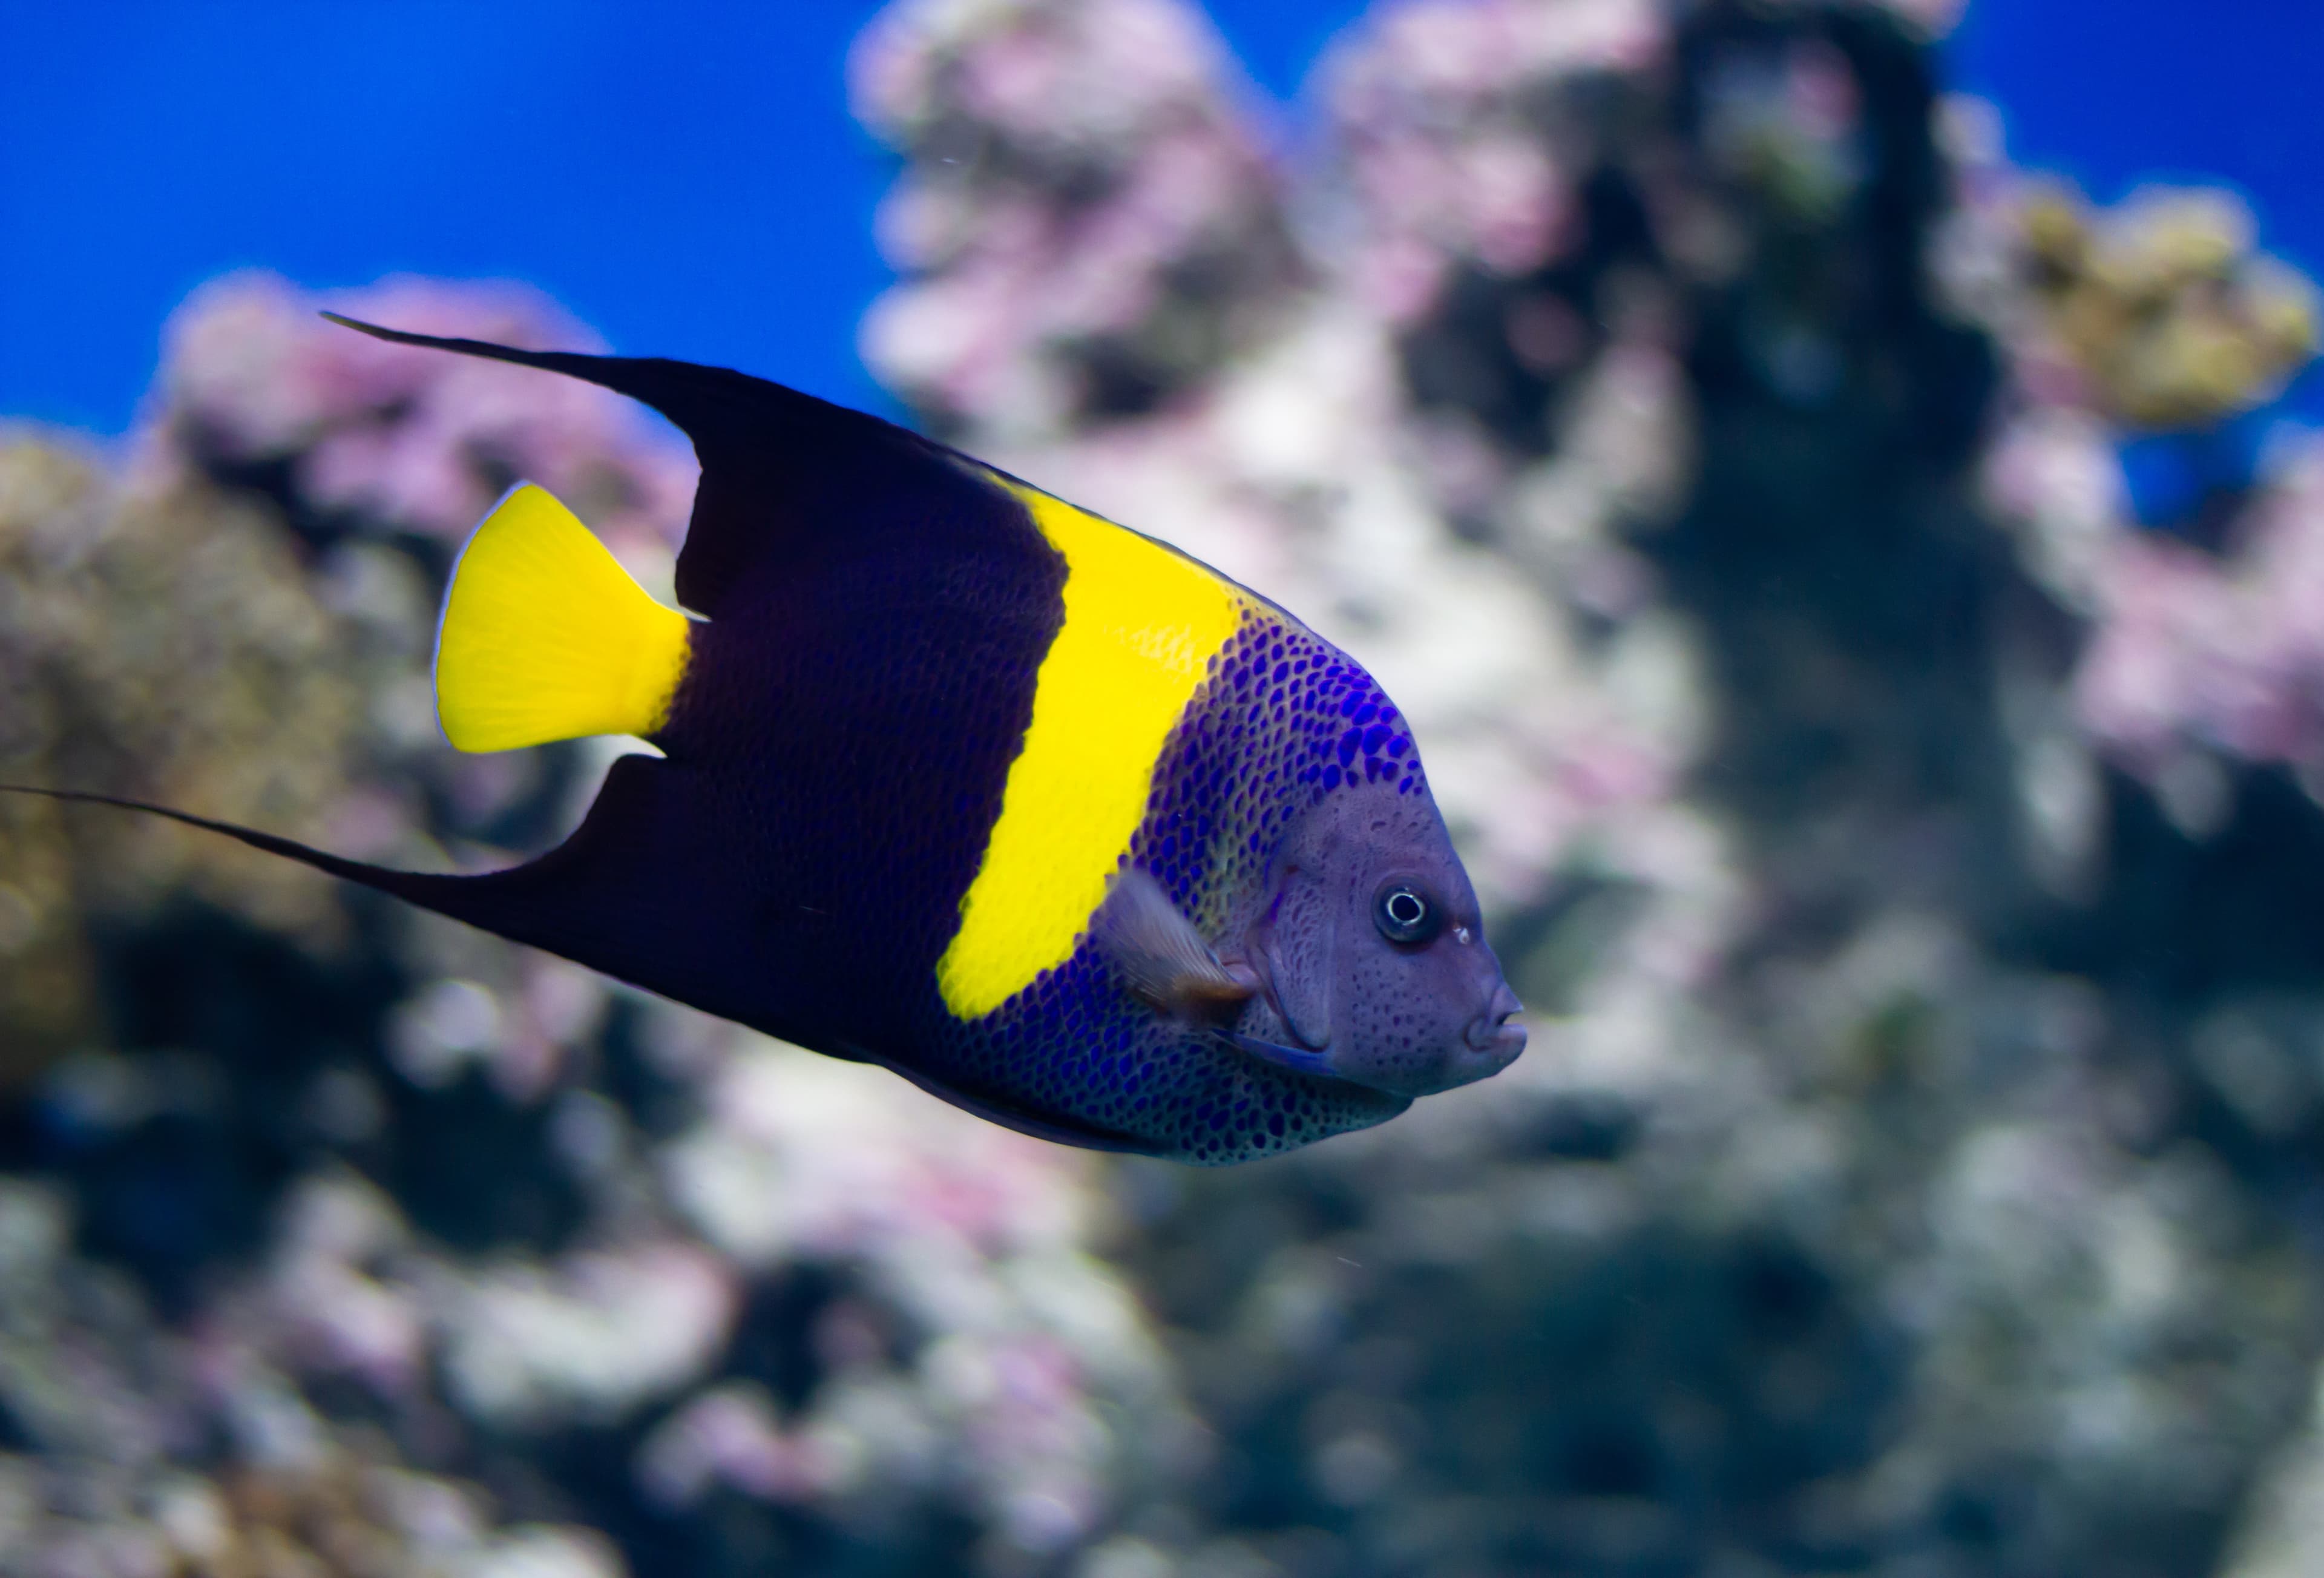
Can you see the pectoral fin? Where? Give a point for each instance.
(1159, 955)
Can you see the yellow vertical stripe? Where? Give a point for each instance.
(1141, 626)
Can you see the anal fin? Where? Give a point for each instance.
(1058, 1130)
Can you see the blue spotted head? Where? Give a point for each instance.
(1369, 953)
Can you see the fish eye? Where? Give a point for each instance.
(1404, 914)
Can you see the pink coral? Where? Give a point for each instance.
(2194, 651)
(250, 374)
(1086, 218)
(1437, 107)
(2156, 312)
(968, 1234)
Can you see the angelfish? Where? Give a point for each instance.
(1053, 820)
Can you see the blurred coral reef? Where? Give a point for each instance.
(1856, 598)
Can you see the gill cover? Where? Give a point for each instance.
(1300, 948)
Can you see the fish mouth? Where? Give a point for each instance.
(1485, 1048)
(1492, 1038)
(1506, 1045)
(1487, 1035)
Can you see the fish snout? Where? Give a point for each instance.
(1492, 1036)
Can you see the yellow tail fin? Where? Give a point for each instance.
(545, 637)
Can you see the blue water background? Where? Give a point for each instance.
(687, 178)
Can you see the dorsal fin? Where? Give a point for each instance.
(779, 468)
